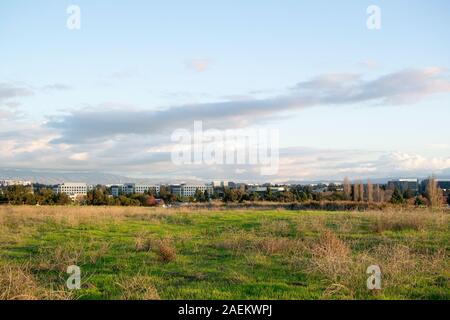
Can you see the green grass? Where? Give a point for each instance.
(229, 254)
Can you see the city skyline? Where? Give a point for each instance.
(346, 100)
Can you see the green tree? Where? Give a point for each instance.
(207, 196)
(419, 202)
(397, 197)
(230, 195)
(199, 196)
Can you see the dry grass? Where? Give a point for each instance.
(241, 242)
(15, 216)
(73, 252)
(416, 221)
(236, 241)
(137, 288)
(277, 227)
(143, 243)
(166, 251)
(18, 283)
(331, 250)
(330, 256)
(345, 270)
(163, 248)
(273, 245)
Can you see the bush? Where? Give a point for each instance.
(166, 252)
(397, 197)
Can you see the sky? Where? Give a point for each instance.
(346, 100)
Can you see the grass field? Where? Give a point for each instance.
(143, 253)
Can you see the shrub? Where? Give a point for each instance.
(330, 256)
(166, 252)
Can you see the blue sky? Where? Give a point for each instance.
(144, 56)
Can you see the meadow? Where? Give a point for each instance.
(158, 253)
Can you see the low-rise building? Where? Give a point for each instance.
(8, 183)
(73, 189)
(259, 189)
(188, 190)
(220, 184)
(404, 185)
(131, 188)
(444, 184)
(116, 190)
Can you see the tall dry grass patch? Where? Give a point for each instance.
(420, 220)
(72, 252)
(137, 288)
(164, 248)
(76, 215)
(242, 242)
(18, 283)
(330, 256)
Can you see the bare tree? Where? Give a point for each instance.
(369, 191)
(347, 189)
(382, 195)
(433, 193)
(355, 191)
(377, 193)
(361, 191)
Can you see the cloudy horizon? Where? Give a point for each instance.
(346, 100)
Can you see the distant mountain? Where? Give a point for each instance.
(374, 180)
(92, 177)
(55, 177)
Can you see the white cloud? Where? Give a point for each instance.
(82, 156)
(119, 138)
(439, 146)
(333, 89)
(12, 91)
(400, 161)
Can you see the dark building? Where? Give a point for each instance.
(404, 185)
(444, 184)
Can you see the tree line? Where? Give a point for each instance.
(356, 192)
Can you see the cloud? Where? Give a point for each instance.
(56, 87)
(151, 157)
(400, 161)
(135, 157)
(409, 85)
(198, 65)
(82, 156)
(115, 137)
(11, 91)
(439, 146)
(125, 74)
(369, 63)
(405, 86)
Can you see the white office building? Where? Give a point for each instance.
(146, 188)
(73, 189)
(220, 184)
(259, 189)
(188, 190)
(8, 183)
(130, 188)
